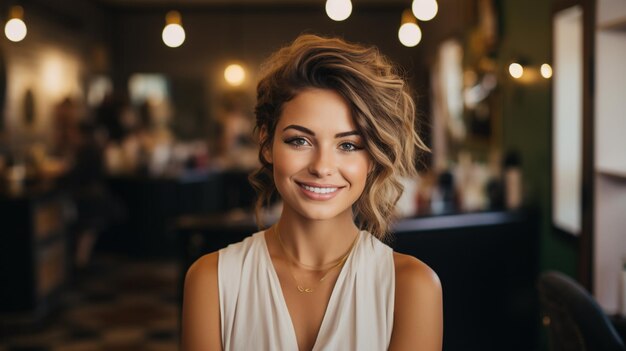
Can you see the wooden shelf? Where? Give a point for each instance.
(613, 25)
(612, 174)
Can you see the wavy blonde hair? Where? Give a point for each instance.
(381, 106)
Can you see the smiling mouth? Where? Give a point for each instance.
(319, 190)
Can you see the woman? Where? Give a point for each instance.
(336, 131)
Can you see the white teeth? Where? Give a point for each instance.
(319, 190)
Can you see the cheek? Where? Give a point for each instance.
(286, 163)
(356, 171)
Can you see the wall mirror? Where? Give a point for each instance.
(567, 119)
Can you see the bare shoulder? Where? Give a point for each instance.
(201, 328)
(412, 273)
(203, 269)
(418, 312)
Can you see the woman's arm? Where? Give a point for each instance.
(201, 307)
(418, 314)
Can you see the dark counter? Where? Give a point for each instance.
(152, 205)
(488, 264)
(35, 255)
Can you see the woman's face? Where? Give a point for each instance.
(320, 163)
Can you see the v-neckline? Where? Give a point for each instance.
(283, 301)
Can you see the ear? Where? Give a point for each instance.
(267, 150)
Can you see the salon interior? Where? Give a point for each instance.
(126, 139)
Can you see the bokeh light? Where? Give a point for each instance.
(546, 71)
(234, 74)
(516, 70)
(409, 34)
(424, 10)
(15, 30)
(173, 35)
(338, 10)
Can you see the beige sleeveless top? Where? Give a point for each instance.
(254, 314)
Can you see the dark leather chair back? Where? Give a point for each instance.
(574, 319)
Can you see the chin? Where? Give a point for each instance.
(321, 214)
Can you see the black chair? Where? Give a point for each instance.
(574, 320)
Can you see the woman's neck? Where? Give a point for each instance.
(316, 242)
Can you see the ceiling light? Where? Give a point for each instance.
(173, 33)
(338, 10)
(234, 74)
(15, 28)
(425, 10)
(409, 33)
(546, 71)
(516, 70)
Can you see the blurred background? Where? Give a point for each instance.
(126, 138)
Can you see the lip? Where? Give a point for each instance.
(319, 197)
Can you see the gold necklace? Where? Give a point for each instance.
(294, 261)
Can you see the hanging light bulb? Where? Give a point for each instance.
(425, 10)
(234, 74)
(338, 10)
(15, 28)
(409, 33)
(546, 71)
(516, 70)
(173, 34)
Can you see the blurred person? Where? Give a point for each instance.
(236, 147)
(81, 174)
(336, 131)
(65, 133)
(155, 135)
(109, 116)
(66, 118)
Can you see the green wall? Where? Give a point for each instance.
(526, 34)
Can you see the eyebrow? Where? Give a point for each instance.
(310, 132)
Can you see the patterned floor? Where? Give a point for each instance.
(120, 304)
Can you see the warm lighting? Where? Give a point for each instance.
(173, 33)
(338, 10)
(516, 70)
(409, 33)
(546, 71)
(15, 28)
(424, 10)
(53, 70)
(57, 74)
(234, 74)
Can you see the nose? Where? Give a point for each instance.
(322, 163)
